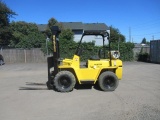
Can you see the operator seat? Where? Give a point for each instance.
(94, 58)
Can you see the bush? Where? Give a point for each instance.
(68, 49)
(125, 49)
(144, 57)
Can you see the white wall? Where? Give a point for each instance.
(98, 39)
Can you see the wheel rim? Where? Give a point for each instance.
(109, 82)
(64, 82)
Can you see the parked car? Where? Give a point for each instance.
(1, 60)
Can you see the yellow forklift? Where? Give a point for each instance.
(64, 74)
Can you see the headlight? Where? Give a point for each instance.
(115, 54)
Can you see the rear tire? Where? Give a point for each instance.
(108, 81)
(64, 81)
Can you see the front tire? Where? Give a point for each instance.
(49, 85)
(64, 81)
(108, 81)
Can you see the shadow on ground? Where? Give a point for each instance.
(87, 86)
(33, 88)
(40, 86)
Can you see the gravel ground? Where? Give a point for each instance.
(24, 96)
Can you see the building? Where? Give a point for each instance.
(155, 51)
(78, 28)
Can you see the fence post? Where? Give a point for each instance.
(1, 50)
(25, 55)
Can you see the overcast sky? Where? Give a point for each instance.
(141, 16)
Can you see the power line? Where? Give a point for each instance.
(146, 34)
(129, 34)
(151, 22)
(146, 27)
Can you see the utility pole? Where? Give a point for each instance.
(118, 42)
(153, 37)
(129, 34)
(47, 39)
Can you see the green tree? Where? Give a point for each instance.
(52, 22)
(5, 14)
(144, 41)
(26, 35)
(125, 49)
(67, 44)
(67, 34)
(115, 35)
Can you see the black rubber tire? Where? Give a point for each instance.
(64, 81)
(49, 85)
(1, 60)
(108, 81)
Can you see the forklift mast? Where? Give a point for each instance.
(53, 61)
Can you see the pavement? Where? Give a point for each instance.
(24, 95)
